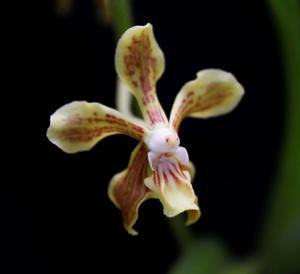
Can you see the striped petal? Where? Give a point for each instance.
(192, 215)
(127, 190)
(139, 63)
(214, 92)
(78, 126)
(171, 182)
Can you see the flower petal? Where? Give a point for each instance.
(192, 170)
(127, 190)
(139, 63)
(78, 126)
(170, 181)
(214, 92)
(193, 215)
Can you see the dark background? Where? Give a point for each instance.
(60, 218)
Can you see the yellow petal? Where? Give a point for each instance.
(140, 63)
(193, 215)
(192, 170)
(214, 92)
(78, 126)
(171, 183)
(127, 190)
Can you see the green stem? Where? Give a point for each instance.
(284, 214)
(121, 16)
(183, 236)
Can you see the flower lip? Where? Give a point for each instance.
(163, 140)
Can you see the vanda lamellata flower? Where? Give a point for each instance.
(159, 167)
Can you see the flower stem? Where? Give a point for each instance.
(121, 16)
(183, 236)
(284, 219)
(122, 20)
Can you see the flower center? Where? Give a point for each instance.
(163, 140)
(163, 143)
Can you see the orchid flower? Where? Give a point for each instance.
(159, 167)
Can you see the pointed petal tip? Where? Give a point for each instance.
(193, 217)
(131, 231)
(172, 212)
(221, 76)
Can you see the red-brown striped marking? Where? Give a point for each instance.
(130, 190)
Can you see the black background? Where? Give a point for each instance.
(61, 219)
